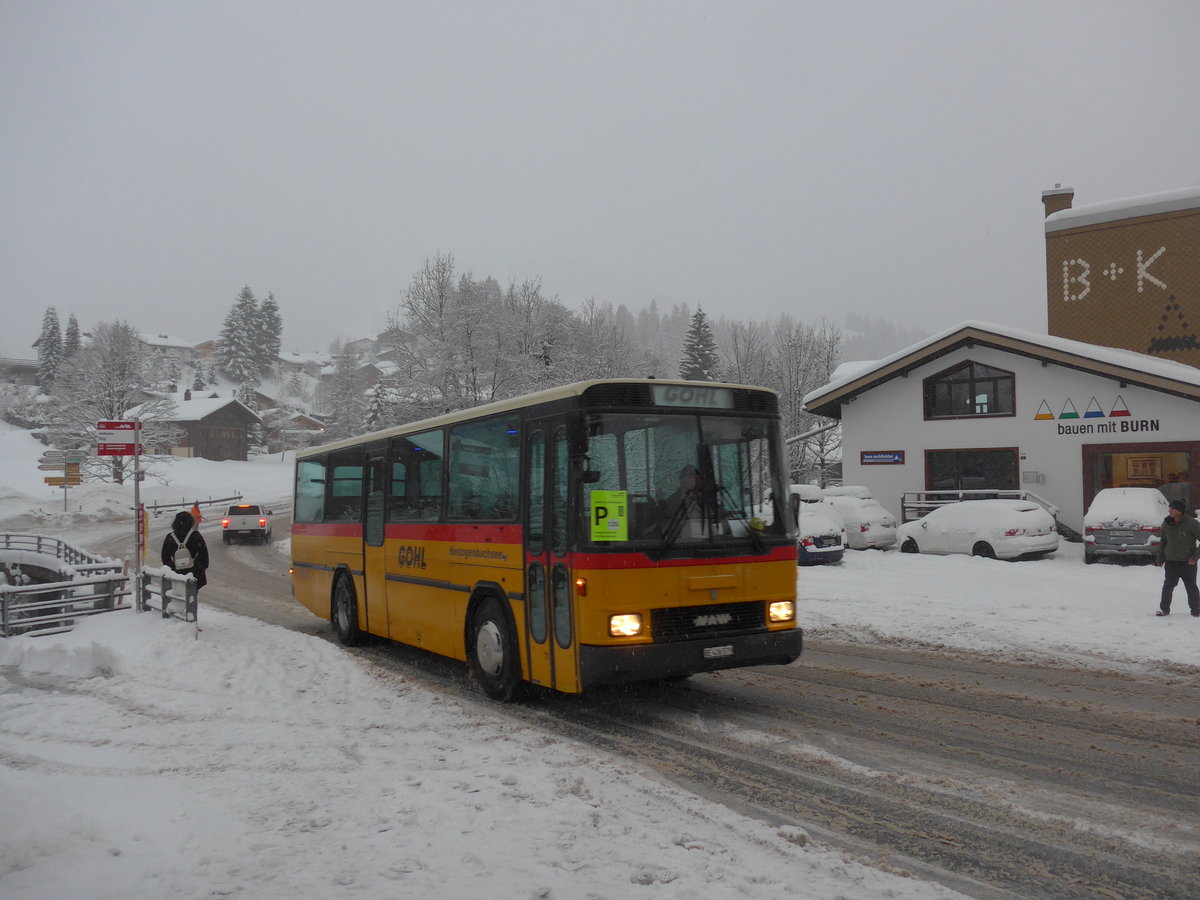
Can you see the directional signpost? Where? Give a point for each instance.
(67, 462)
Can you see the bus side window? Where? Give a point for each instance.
(485, 469)
(310, 490)
(416, 483)
(345, 498)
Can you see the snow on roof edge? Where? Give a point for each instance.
(1129, 359)
(1125, 208)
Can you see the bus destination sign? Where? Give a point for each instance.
(692, 396)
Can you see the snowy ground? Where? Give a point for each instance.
(137, 762)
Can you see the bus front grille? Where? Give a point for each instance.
(716, 620)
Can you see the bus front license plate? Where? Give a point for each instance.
(718, 652)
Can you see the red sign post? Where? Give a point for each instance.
(121, 437)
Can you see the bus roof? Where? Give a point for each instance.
(513, 403)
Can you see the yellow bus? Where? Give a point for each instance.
(598, 533)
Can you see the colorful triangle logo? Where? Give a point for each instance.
(1094, 411)
(1069, 411)
(1043, 413)
(1119, 408)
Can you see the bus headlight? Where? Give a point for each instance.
(625, 625)
(782, 611)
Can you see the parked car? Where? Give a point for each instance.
(868, 525)
(246, 521)
(820, 535)
(1000, 529)
(1124, 521)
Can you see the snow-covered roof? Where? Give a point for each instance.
(1139, 368)
(1126, 208)
(295, 358)
(167, 341)
(850, 369)
(198, 408)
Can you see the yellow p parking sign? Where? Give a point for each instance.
(610, 520)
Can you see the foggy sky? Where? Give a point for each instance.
(753, 158)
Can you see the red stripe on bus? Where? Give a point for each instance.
(496, 534)
(353, 529)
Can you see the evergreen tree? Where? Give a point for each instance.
(49, 348)
(700, 361)
(238, 354)
(255, 437)
(270, 335)
(344, 401)
(384, 404)
(71, 341)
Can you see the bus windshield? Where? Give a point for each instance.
(685, 480)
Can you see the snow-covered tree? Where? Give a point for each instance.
(256, 440)
(106, 380)
(344, 400)
(270, 337)
(238, 354)
(700, 360)
(49, 348)
(71, 341)
(385, 404)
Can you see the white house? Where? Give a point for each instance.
(982, 406)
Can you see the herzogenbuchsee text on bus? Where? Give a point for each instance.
(598, 533)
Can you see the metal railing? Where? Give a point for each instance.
(51, 546)
(914, 504)
(175, 596)
(52, 608)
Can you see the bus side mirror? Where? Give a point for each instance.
(794, 504)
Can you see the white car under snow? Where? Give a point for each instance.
(1000, 529)
(868, 525)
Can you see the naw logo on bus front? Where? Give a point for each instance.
(411, 557)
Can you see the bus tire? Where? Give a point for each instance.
(344, 613)
(492, 651)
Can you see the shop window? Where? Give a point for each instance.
(971, 470)
(1166, 468)
(968, 390)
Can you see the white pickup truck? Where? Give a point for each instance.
(248, 522)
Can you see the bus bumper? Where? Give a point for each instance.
(678, 659)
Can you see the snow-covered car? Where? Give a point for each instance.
(868, 525)
(999, 529)
(1124, 521)
(820, 535)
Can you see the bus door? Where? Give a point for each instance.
(375, 564)
(550, 615)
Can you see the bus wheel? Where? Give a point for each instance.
(345, 613)
(492, 652)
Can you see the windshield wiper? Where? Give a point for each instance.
(755, 538)
(674, 526)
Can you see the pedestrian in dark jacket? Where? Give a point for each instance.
(183, 534)
(1177, 555)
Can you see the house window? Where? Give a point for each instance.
(967, 390)
(971, 470)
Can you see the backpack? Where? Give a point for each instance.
(183, 559)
